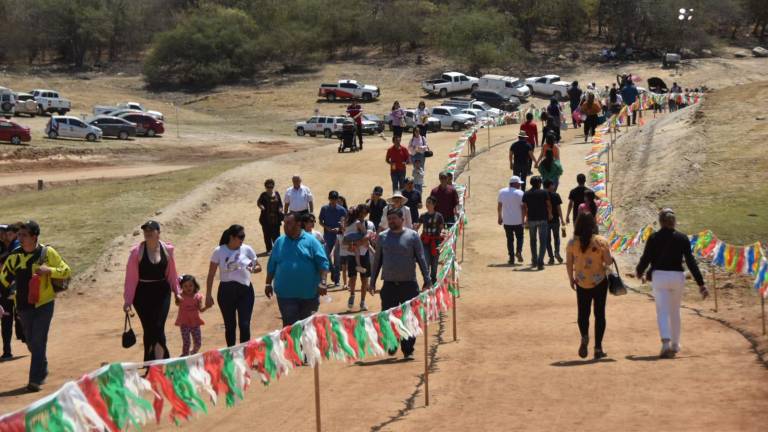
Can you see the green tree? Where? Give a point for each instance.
(401, 22)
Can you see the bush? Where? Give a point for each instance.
(210, 47)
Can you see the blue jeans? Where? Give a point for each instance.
(296, 309)
(538, 251)
(398, 180)
(236, 304)
(36, 323)
(333, 256)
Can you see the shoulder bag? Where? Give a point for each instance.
(59, 285)
(129, 338)
(615, 284)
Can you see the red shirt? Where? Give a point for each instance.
(532, 131)
(447, 200)
(353, 110)
(473, 138)
(397, 157)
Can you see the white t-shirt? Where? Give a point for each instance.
(363, 249)
(233, 264)
(318, 236)
(298, 199)
(407, 221)
(511, 200)
(422, 116)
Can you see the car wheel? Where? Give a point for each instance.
(62, 112)
(300, 131)
(331, 97)
(474, 87)
(151, 133)
(40, 110)
(123, 135)
(456, 126)
(16, 140)
(53, 135)
(7, 106)
(367, 97)
(557, 95)
(327, 133)
(443, 92)
(91, 137)
(371, 132)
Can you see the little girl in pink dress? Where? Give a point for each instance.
(190, 305)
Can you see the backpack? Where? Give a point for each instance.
(59, 285)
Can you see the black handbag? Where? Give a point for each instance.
(615, 284)
(129, 338)
(428, 153)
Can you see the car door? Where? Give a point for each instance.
(5, 131)
(311, 125)
(140, 123)
(108, 127)
(77, 128)
(442, 115)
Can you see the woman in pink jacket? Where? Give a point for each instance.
(150, 276)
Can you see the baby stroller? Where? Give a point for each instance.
(347, 137)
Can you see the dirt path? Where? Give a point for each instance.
(13, 179)
(514, 366)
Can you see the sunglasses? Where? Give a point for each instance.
(270, 186)
(241, 236)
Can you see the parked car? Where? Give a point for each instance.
(49, 101)
(497, 100)
(13, 132)
(506, 85)
(377, 120)
(451, 117)
(7, 102)
(433, 123)
(369, 127)
(348, 89)
(114, 126)
(145, 124)
(71, 127)
(549, 85)
(474, 104)
(25, 104)
(327, 126)
(134, 106)
(478, 115)
(450, 82)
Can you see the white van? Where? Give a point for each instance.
(7, 102)
(505, 85)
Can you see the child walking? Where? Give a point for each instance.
(189, 321)
(355, 231)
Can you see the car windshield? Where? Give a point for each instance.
(482, 105)
(454, 111)
(517, 83)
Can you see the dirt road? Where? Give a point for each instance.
(514, 367)
(13, 179)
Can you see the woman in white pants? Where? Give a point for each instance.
(664, 252)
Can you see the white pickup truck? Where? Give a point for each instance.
(348, 89)
(49, 101)
(450, 82)
(108, 110)
(549, 85)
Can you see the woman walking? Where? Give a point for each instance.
(554, 112)
(235, 262)
(271, 206)
(150, 277)
(397, 118)
(355, 252)
(587, 257)
(422, 119)
(591, 108)
(551, 169)
(664, 252)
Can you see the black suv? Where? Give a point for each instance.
(497, 100)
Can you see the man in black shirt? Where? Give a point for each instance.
(576, 198)
(376, 205)
(520, 157)
(537, 210)
(554, 223)
(413, 198)
(664, 252)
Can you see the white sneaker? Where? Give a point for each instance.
(362, 307)
(676, 347)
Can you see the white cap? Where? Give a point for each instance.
(515, 180)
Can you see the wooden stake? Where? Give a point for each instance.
(317, 397)
(469, 186)
(489, 137)
(762, 307)
(462, 244)
(454, 316)
(714, 285)
(426, 363)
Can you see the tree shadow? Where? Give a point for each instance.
(386, 361)
(570, 363)
(15, 392)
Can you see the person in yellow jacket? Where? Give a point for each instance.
(23, 271)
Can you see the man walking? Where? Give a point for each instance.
(355, 110)
(531, 130)
(447, 198)
(330, 218)
(510, 214)
(376, 206)
(32, 267)
(297, 267)
(397, 252)
(413, 198)
(298, 198)
(553, 227)
(629, 94)
(574, 98)
(397, 156)
(576, 198)
(520, 157)
(537, 210)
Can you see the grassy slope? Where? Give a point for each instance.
(80, 220)
(730, 196)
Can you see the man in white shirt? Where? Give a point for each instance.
(298, 199)
(510, 212)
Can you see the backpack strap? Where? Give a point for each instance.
(43, 255)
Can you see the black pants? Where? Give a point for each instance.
(584, 298)
(271, 233)
(423, 130)
(359, 130)
(554, 238)
(514, 232)
(397, 131)
(590, 124)
(395, 293)
(522, 172)
(236, 305)
(152, 303)
(6, 322)
(296, 309)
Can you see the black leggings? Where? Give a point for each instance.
(152, 303)
(584, 298)
(236, 304)
(6, 323)
(271, 233)
(590, 124)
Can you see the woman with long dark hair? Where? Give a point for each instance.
(355, 252)
(550, 168)
(397, 119)
(271, 206)
(235, 262)
(589, 206)
(588, 256)
(615, 101)
(150, 277)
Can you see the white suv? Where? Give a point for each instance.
(327, 126)
(71, 127)
(452, 117)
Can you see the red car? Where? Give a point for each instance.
(145, 124)
(14, 133)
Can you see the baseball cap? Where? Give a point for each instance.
(32, 227)
(151, 224)
(333, 195)
(514, 180)
(378, 190)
